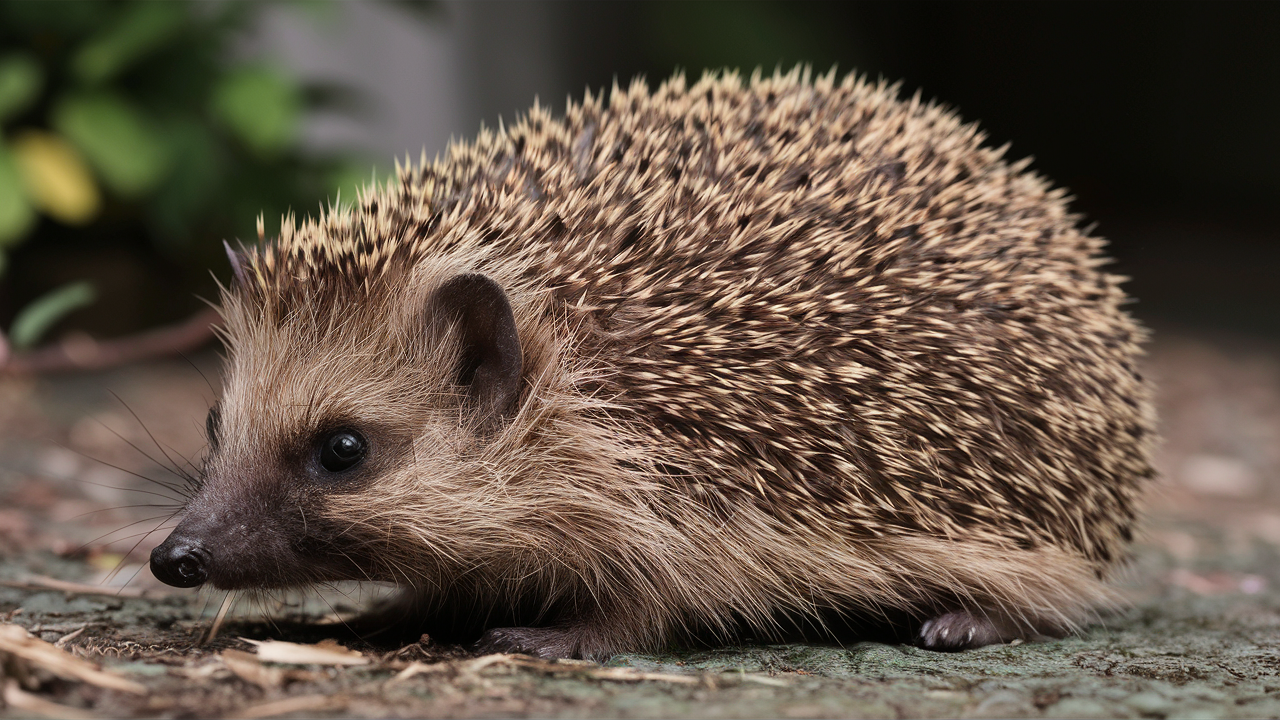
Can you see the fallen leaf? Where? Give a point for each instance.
(108, 561)
(327, 652)
(249, 667)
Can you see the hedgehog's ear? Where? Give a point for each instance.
(491, 359)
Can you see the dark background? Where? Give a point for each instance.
(1159, 117)
(1163, 119)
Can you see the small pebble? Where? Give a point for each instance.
(1004, 703)
(1149, 703)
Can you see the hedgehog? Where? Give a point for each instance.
(698, 363)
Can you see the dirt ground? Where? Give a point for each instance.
(1201, 639)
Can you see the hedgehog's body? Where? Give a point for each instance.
(774, 349)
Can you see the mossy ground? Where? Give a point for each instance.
(1201, 638)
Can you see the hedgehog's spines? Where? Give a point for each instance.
(868, 346)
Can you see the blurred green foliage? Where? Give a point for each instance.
(40, 315)
(141, 115)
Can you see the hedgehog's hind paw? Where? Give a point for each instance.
(960, 630)
(549, 643)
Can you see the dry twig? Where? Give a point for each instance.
(84, 353)
(15, 698)
(40, 582)
(302, 703)
(16, 641)
(559, 667)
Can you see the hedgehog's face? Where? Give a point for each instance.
(328, 433)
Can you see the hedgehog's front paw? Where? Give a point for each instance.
(549, 643)
(958, 630)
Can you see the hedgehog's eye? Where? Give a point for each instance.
(211, 427)
(342, 450)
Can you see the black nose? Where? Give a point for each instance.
(180, 562)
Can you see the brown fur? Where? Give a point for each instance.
(790, 346)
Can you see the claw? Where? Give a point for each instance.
(958, 630)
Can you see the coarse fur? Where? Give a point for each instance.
(791, 348)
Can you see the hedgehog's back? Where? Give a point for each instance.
(841, 308)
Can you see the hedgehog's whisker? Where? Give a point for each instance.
(124, 507)
(125, 556)
(173, 465)
(168, 486)
(200, 373)
(85, 546)
(194, 471)
(180, 489)
(260, 597)
(332, 610)
(132, 577)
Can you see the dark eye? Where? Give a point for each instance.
(342, 450)
(211, 427)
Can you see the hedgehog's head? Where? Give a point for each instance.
(354, 403)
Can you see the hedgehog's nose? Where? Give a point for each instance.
(180, 562)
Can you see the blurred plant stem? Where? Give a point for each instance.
(81, 352)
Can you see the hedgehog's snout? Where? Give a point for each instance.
(180, 561)
(225, 555)
(233, 537)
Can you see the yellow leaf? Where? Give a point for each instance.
(16, 214)
(56, 177)
(106, 561)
